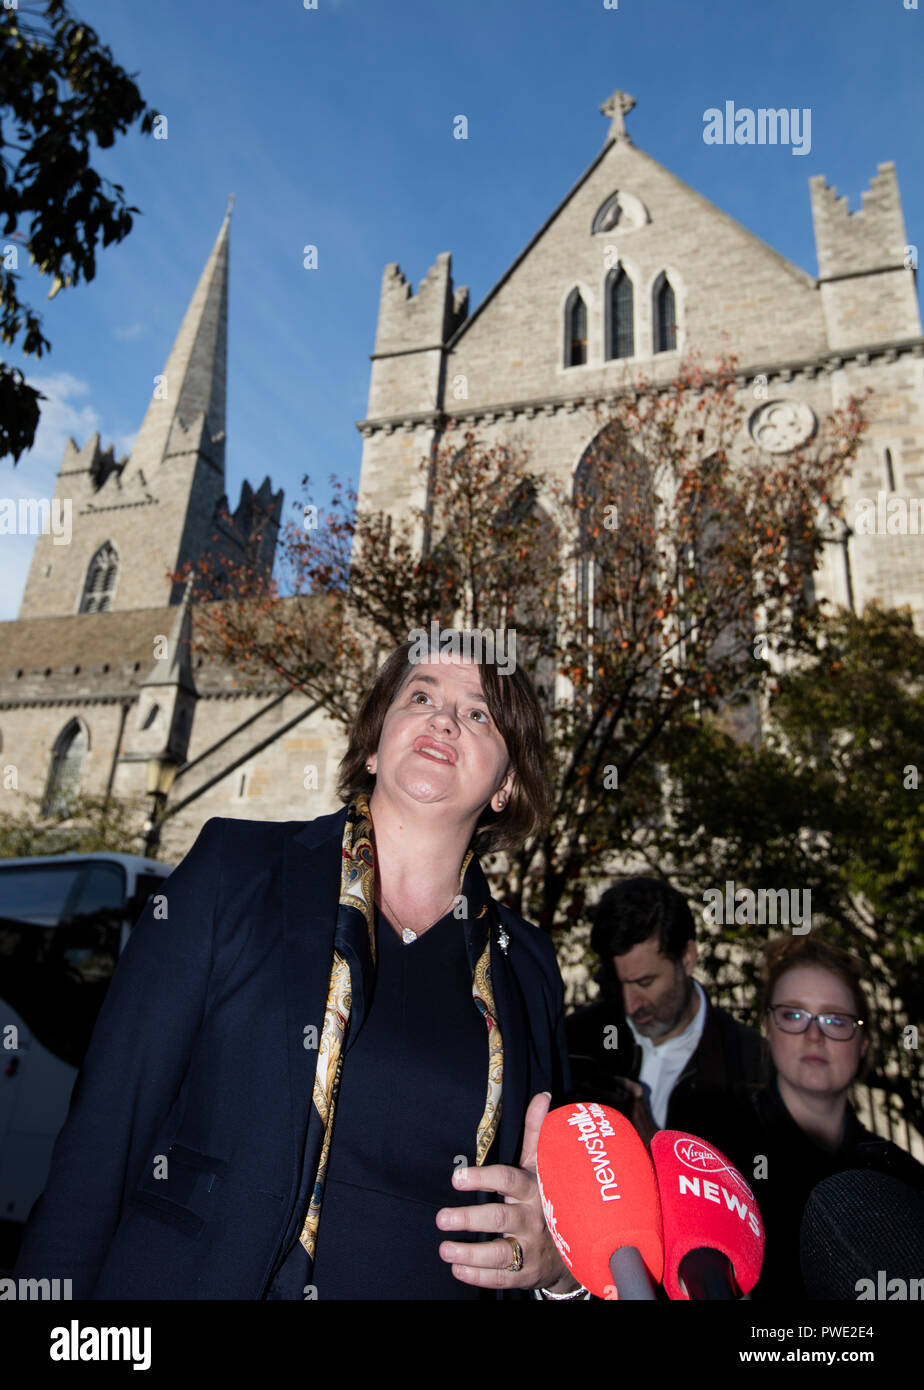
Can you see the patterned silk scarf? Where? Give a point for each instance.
(353, 970)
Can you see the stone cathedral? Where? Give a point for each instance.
(99, 674)
(633, 267)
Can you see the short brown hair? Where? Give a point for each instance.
(784, 953)
(517, 713)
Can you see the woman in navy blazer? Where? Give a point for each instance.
(319, 1069)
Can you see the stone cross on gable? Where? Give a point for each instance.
(617, 108)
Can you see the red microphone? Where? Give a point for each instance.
(600, 1198)
(713, 1234)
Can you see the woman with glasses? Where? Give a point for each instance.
(800, 1128)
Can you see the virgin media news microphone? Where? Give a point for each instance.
(600, 1198)
(713, 1234)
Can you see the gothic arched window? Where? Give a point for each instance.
(526, 585)
(617, 560)
(101, 580)
(889, 471)
(620, 303)
(66, 766)
(665, 316)
(575, 330)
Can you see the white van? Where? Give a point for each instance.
(64, 919)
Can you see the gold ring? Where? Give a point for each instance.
(517, 1255)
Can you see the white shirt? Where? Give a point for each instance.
(662, 1064)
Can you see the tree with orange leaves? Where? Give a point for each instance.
(661, 583)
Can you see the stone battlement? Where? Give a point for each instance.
(408, 321)
(870, 238)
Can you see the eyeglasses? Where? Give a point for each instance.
(841, 1027)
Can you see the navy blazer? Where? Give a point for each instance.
(199, 1055)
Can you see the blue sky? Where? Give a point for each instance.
(333, 126)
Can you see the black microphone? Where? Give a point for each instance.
(862, 1238)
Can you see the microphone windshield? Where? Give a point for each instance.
(599, 1192)
(705, 1204)
(861, 1232)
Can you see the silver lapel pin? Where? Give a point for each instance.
(503, 940)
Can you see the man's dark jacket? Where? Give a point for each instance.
(601, 1046)
(202, 1053)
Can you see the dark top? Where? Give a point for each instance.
(202, 1051)
(762, 1128)
(411, 1097)
(601, 1046)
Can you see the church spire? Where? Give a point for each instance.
(186, 414)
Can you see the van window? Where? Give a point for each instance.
(59, 943)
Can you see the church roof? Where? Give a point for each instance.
(619, 138)
(105, 656)
(84, 653)
(92, 655)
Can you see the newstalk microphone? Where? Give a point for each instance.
(712, 1231)
(600, 1199)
